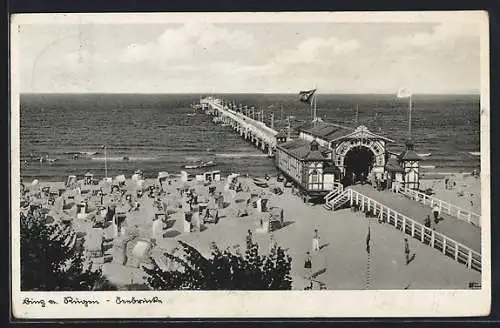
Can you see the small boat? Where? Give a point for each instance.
(207, 164)
(191, 114)
(424, 154)
(475, 153)
(260, 182)
(191, 166)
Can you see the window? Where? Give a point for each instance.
(314, 176)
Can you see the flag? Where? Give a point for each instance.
(368, 237)
(306, 96)
(404, 93)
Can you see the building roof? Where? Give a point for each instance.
(409, 154)
(393, 165)
(324, 130)
(305, 150)
(334, 132)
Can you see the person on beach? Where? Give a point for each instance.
(272, 242)
(156, 228)
(249, 236)
(308, 265)
(315, 241)
(407, 251)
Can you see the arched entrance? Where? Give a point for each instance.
(358, 163)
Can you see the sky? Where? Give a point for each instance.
(284, 57)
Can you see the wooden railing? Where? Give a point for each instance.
(337, 189)
(444, 207)
(341, 196)
(436, 240)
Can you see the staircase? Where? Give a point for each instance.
(336, 198)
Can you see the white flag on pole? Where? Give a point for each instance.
(404, 93)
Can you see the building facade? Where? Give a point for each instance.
(307, 165)
(357, 153)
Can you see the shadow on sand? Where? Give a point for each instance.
(324, 245)
(284, 225)
(171, 233)
(170, 223)
(317, 273)
(410, 259)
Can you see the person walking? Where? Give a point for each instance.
(315, 241)
(308, 265)
(427, 221)
(435, 212)
(407, 251)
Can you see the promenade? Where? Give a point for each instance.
(459, 230)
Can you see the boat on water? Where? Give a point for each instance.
(207, 164)
(475, 153)
(47, 159)
(424, 154)
(191, 114)
(200, 165)
(260, 182)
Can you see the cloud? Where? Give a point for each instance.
(440, 36)
(317, 50)
(192, 41)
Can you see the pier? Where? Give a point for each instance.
(257, 132)
(356, 151)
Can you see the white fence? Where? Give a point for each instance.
(337, 189)
(444, 207)
(447, 246)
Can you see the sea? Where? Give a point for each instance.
(162, 132)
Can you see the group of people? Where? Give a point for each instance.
(436, 211)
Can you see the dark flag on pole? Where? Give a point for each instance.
(307, 96)
(368, 237)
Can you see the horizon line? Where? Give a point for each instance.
(477, 93)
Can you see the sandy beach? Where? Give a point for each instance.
(465, 194)
(341, 263)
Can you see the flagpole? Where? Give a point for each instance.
(315, 103)
(409, 120)
(105, 162)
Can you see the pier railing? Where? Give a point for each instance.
(436, 240)
(257, 128)
(444, 207)
(337, 189)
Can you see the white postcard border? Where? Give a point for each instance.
(218, 304)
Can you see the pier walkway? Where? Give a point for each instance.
(257, 132)
(459, 230)
(453, 237)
